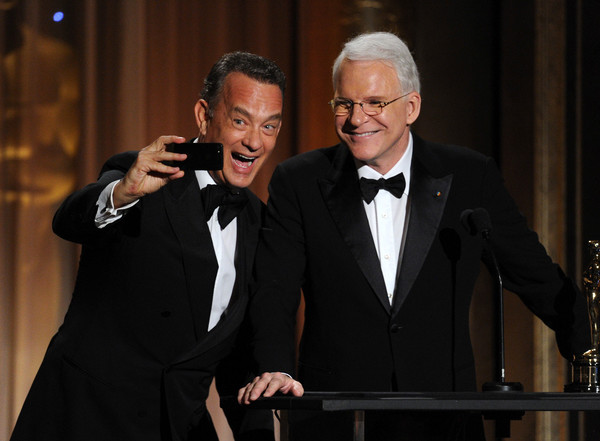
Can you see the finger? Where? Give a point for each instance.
(273, 387)
(157, 151)
(258, 389)
(146, 165)
(242, 393)
(162, 142)
(245, 392)
(287, 384)
(259, 385)
(297, 389)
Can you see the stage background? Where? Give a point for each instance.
(515, 79)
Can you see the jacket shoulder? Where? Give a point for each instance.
(312, 161)
(119, 162)
(451, 151)
(441, 159)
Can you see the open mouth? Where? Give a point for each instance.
(242, 160)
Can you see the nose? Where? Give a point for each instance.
(252, 140)
(357, 116)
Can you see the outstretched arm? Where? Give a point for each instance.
(137, 174)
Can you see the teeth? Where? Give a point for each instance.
(243, 157)
(364, 134)
(242, 161)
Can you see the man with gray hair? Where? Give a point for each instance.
(370, 230)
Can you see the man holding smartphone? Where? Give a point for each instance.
(163, 279)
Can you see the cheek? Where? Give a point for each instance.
(269, 146)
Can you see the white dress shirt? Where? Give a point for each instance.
(223, 241)
(387, 219)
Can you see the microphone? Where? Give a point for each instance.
(477, 222)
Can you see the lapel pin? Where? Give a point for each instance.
(438, 194)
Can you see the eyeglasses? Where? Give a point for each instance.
(342, 107)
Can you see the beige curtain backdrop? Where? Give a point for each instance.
(40, 139)
(114, 75)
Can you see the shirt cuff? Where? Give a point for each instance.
(106, 213)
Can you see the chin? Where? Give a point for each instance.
(240, 182)
(361, 155)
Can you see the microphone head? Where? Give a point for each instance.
(465, 220)
(476, 221)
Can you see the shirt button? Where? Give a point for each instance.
(386, 257)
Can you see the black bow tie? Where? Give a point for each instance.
(230, 201)
(370, 187)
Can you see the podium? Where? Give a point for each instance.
(503, 407)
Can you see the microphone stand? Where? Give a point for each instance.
(500, 385)
(502, 427)
(477, 221)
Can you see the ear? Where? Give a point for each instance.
(413, 107)
(201, 113)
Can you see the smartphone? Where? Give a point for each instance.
(200, 155)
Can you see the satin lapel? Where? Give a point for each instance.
(233, 317)
(428, 196)
(341, 193)
(184, 209)
(247, 239)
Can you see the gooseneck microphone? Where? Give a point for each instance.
(477, 222)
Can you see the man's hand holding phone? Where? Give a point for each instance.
(150, 171)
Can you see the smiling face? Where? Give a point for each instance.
(246, 120)
(378, 141)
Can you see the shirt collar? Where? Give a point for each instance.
(204, 178)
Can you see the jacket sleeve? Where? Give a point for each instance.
(279, 266)
(528, 271)
(74, 219)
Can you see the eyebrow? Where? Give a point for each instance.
(245, 113)
(369, 98)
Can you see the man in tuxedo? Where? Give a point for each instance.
(163, 279)
(370, 230)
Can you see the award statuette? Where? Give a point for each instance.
(585, 371)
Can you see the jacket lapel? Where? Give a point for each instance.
(341, 193)
(428, 196)
(183, 205)
(179, 205)
(248, 223)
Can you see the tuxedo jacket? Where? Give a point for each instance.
(316, 238)
(133, 359)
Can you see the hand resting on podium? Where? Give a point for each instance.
(267, 385)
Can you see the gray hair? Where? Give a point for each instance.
(385, 47)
